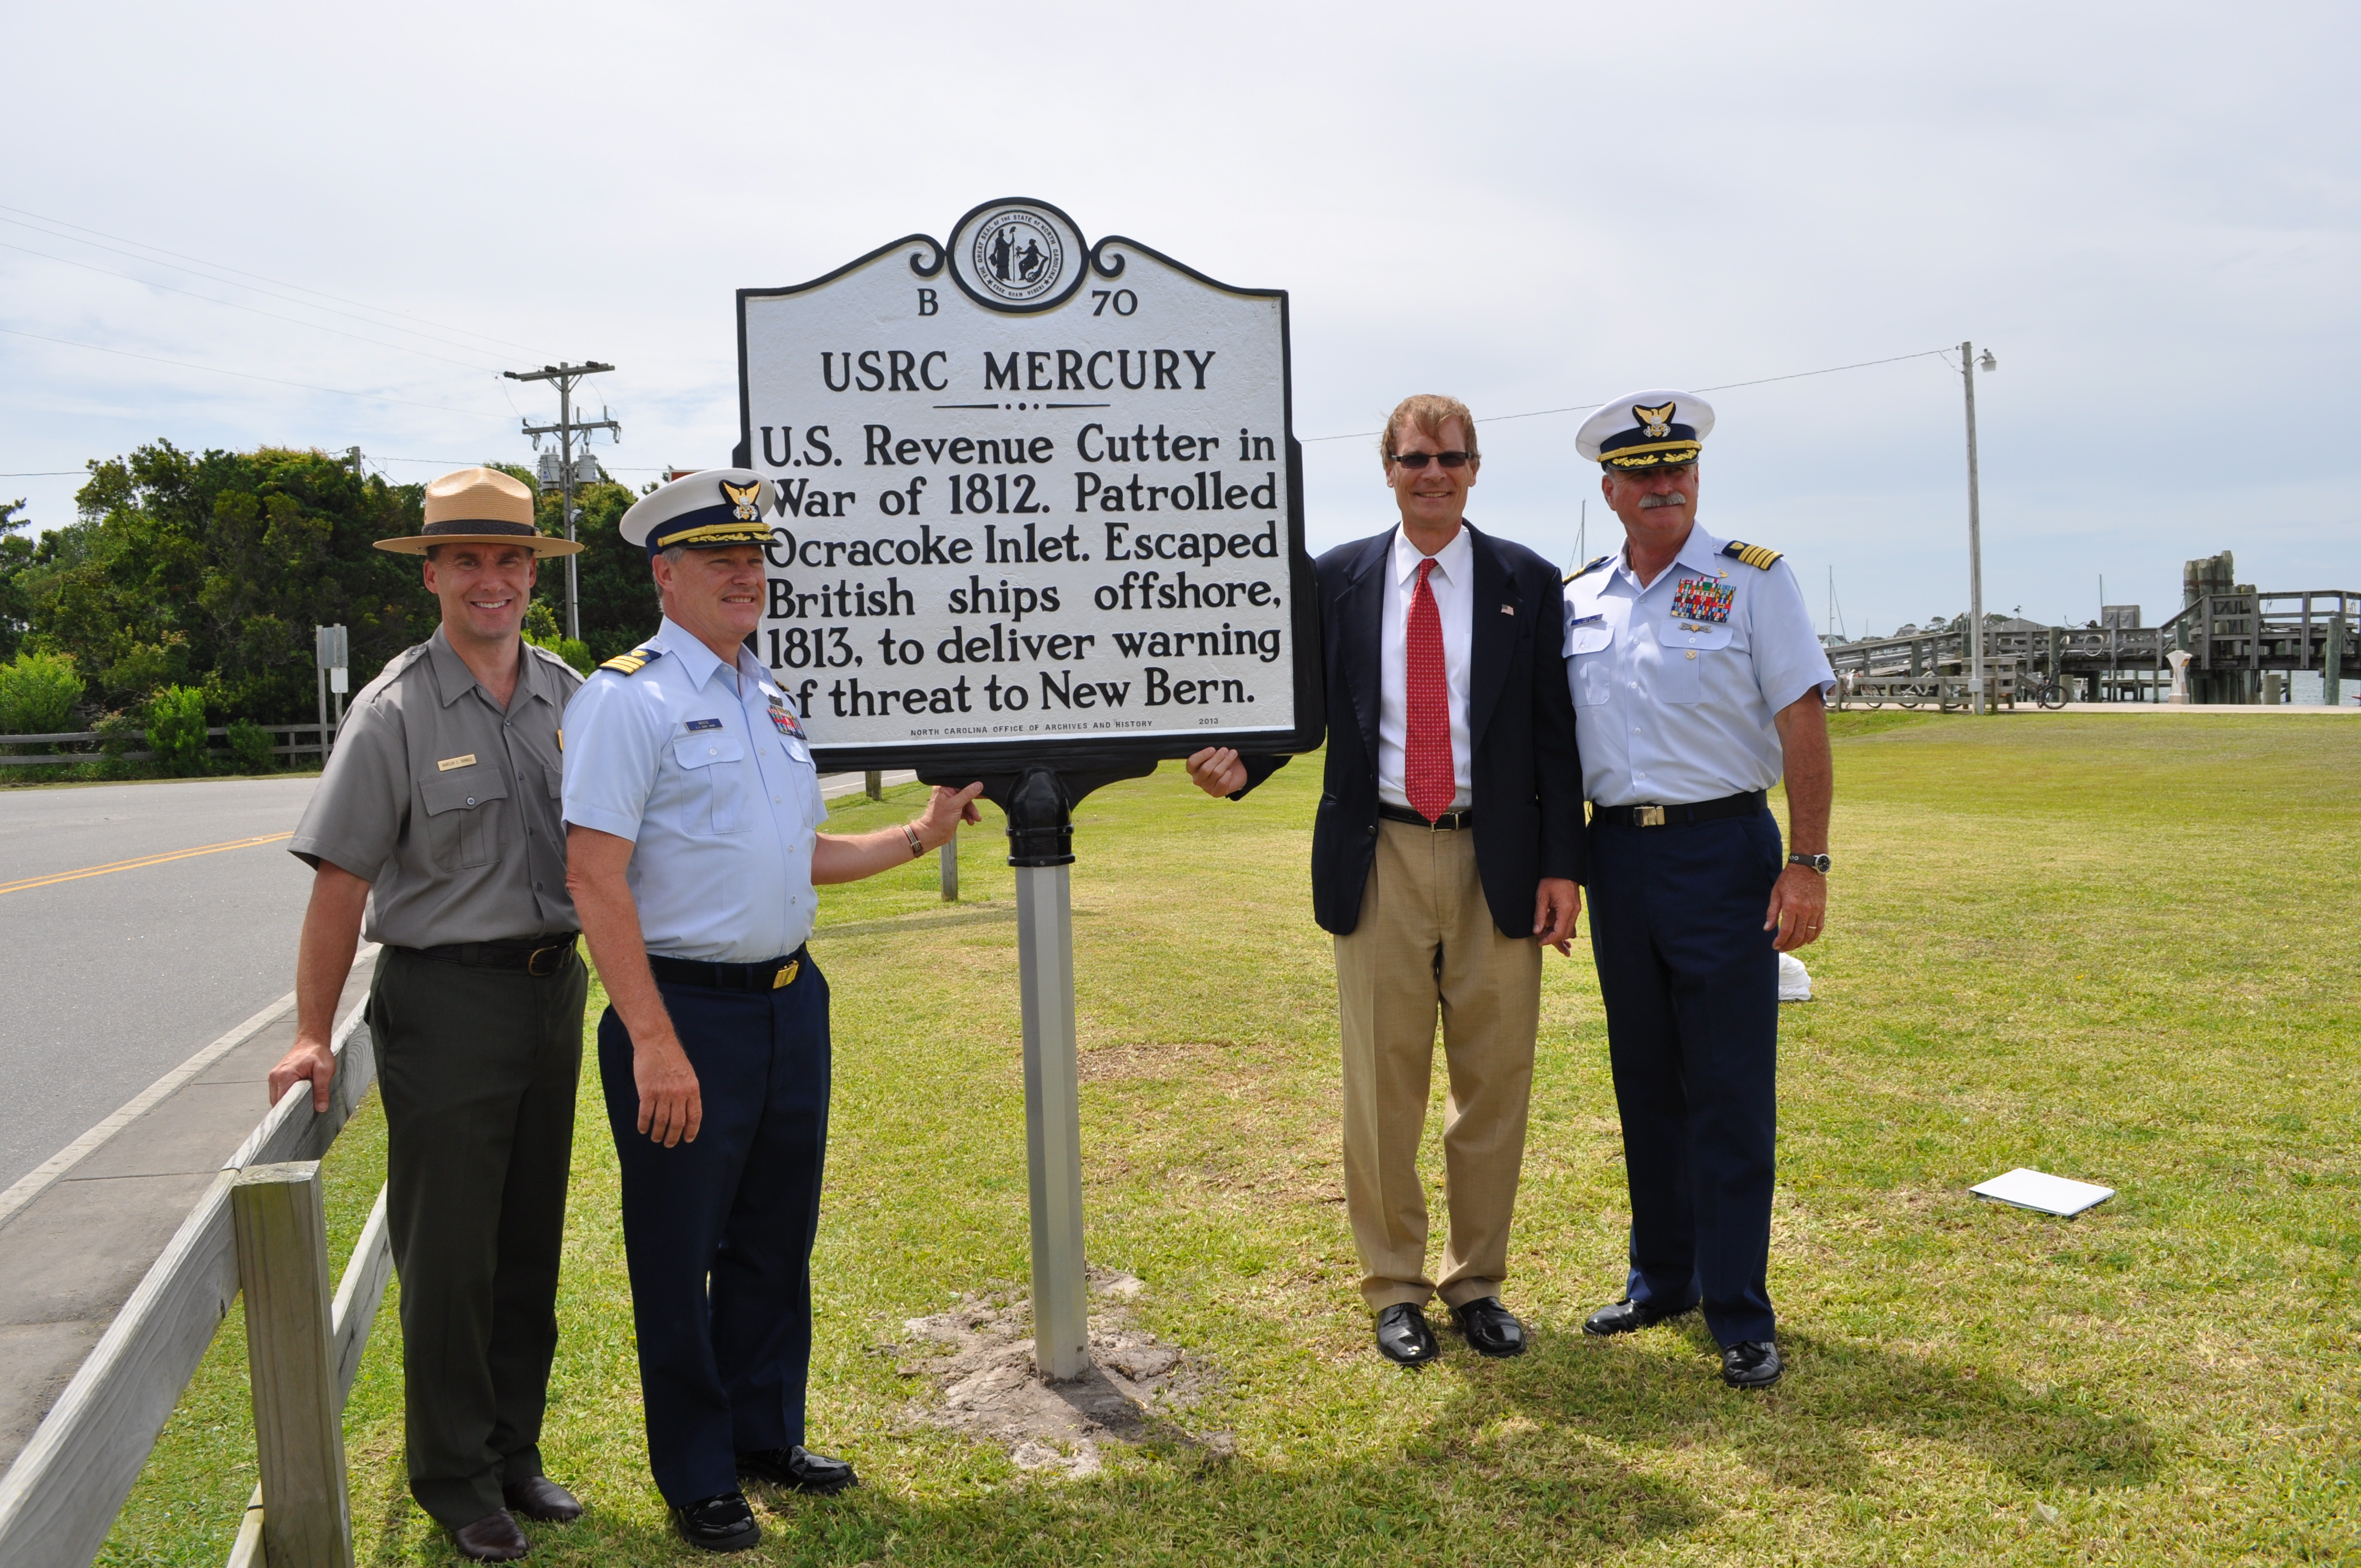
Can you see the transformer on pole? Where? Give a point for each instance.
(567, 471)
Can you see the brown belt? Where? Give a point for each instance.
(1465, 817)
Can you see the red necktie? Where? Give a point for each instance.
(1427, 774)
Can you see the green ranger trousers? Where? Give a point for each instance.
(478, 1068)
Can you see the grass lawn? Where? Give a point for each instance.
(2116, 948)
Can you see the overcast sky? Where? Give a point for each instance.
(2148, 212)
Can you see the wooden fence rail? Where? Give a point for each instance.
(61, 1497)
(93, 738)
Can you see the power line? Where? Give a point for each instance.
(233, 304)
(251, 289)
(47, 474)
(243, 374)
(1724, 386)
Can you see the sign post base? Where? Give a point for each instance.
(1039, 803)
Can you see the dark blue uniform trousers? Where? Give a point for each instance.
(719, 1231)
(1691, 986)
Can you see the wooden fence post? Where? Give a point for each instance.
(282, 1267)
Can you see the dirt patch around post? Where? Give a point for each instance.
(978, 1352)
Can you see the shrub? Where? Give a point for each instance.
(37, 693)
(175, 728)
(250, 743)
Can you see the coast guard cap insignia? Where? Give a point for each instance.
(1656, 422)
(745, 500)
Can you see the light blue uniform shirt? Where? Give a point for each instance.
(707, 772)
(1675, 683)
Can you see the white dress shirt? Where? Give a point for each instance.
(706, 770)
(1677, 683)
(1453, 582)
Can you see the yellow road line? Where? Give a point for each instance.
(142, 861)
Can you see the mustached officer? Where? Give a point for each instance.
(692, 814)
(1696, 680)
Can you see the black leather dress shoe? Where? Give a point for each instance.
(1404, 1337)
(1491, 1329)
(492, 1538)
(542, 1498)
(720, 1523)
(1750, 1363)
(1624, 1317)
(798, 1468)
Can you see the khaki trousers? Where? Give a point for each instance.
(1426, 944)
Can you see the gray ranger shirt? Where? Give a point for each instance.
(447, 806)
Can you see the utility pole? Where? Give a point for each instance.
(566, 375)
(1975, 532)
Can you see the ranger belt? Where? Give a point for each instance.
(1745, 804)
(768, 975)
(539, 957)
(1465, 817)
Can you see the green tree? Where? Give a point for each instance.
(15, 556)
(211, 571)
(38, 693)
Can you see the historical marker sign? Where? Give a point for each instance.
(1039, 501)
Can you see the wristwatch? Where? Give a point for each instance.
(1816, 862)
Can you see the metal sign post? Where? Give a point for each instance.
(1038, 520)
(332, 659)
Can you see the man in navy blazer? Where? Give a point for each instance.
(1446, 852)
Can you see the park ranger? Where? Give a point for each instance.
(435, 828)
(1697, 682)
(693, 812)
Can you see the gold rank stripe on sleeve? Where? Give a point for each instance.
(1588, 567)
(1755, 555)
(630, 663)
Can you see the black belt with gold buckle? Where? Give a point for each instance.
(771, 974)
(537, 959)
(1745, 804)
(1465, 817)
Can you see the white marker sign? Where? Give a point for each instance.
(1038, 498)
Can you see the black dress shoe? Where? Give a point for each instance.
(799, 1468)
(492, 1538)
(1624, 1317)
(719, 1523)
(1750, 1363)
(1491, 1329)
(1404, 1337)
(542, 1498)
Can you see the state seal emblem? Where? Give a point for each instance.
(1017, 255)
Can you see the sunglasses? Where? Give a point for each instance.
(1417, 460)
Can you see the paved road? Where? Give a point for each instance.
(108, 981)
(111, 981)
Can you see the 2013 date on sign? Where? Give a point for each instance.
(811, 648)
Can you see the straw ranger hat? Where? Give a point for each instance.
(479, 506)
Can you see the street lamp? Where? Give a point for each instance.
(1969, 364)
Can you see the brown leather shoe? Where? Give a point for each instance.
(492, 1538)
(543, 1499)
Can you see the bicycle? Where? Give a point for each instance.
(2048, 692)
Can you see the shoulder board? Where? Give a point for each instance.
(1755, 555)
(1588, 567)
(630, 663)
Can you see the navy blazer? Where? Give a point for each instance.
(1525, 781)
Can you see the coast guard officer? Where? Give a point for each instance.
(692, 812)
(1696, 683)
